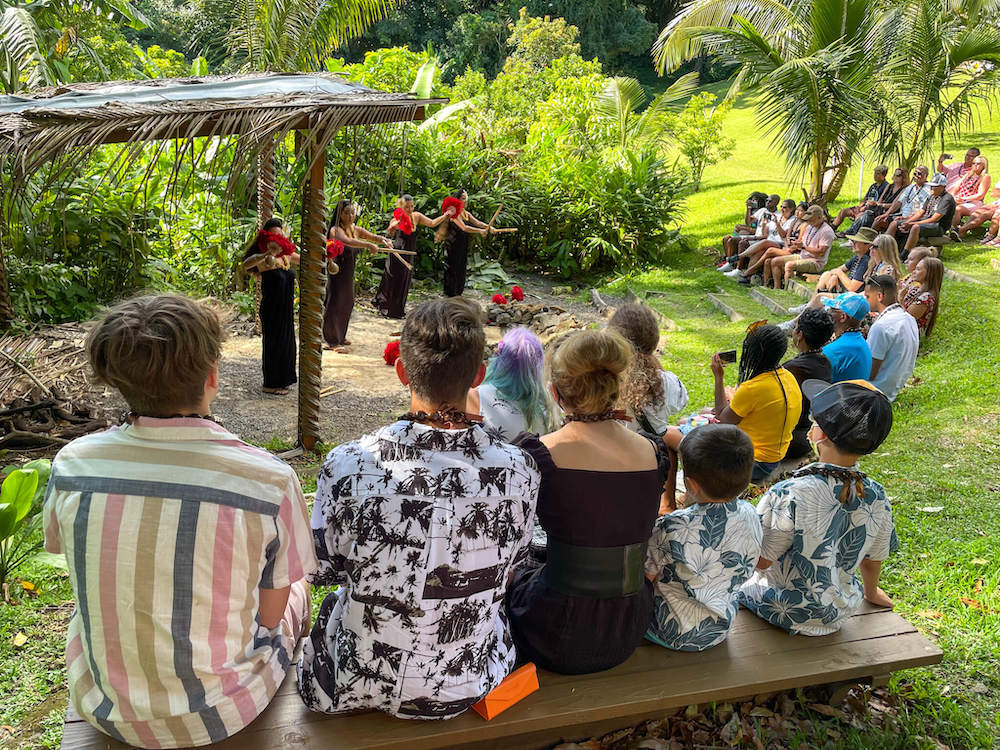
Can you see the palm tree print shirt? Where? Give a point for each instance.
(816, 543)
(421, 528)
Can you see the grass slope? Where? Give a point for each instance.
(944, 449)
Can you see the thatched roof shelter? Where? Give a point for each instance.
(62, 126)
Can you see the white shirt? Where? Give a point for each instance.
(502, 415)
(420, 528)
(675, 398)
(894, 339)
(913, 198)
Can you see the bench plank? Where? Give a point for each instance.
(654, 680)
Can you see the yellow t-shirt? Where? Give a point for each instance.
(764, 408)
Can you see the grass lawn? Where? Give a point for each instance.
(944, 452)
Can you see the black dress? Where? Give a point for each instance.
(340, 299)
(805, 366)
(390, 300)
(277, 324)
(456, 260)
(579, 509)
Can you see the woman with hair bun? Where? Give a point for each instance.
(586, 608)
(650, 393)
(511, 398)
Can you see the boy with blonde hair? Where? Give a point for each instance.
(187, 548)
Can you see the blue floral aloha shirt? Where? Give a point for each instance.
(816, 544)
(700, 556)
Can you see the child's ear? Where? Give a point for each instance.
(480, 374)
(212, 381)
(401, 372)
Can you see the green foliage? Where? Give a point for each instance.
(539, 41)
(698, 132)
(50, 292)
(392, 69)
(20, 514)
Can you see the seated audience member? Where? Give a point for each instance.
(908, 207)
(883, 260)
(893, 338)
(849, 355)
(979, 216)
(587, 606)
(700, 555)
(936, 218)
(766, 404)
(512, 398)
(651, 395)
(827, 521)
(813, 329)
(850, 277)
(876, 192)
(970, 194)
(920, 292)
(877, 209)
(756, 229)
(158, 655)
(816, 240)
(420, 524)
(777, 244)
(955, 171)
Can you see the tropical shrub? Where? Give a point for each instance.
(21, 495)
(697, 130)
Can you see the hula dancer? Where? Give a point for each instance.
(345, 239)
(390, 300)
(270, 258)
(455, 234)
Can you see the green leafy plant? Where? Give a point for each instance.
(697, 132)
(21, 515)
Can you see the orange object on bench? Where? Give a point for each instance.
(517, 685)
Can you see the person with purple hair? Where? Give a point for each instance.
(512, 397)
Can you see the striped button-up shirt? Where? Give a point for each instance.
(170, 528)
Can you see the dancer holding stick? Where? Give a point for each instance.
(345, 239)
(455, 234)
(390, 300)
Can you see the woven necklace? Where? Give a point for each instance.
(448, 416)
(851, 478)
(605, 416)
(131, 416)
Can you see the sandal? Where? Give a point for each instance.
(276, 391)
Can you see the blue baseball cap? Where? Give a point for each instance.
(852, 304)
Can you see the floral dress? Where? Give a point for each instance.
(700, 556)
(420, 527)
(816, 542)
(913, 296)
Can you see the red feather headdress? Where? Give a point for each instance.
(405, 224)
(452, 202)
(274, 243)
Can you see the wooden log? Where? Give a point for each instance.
(599, 304)
(954, 275)
(794, 285)
(770, 304)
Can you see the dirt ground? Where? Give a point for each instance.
(366, 392)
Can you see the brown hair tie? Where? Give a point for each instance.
(852, 480)
(446, 415)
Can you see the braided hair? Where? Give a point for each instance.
(763, 349)
(643, 386)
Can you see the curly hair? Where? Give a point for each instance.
(643, 387)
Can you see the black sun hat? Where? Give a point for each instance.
(854, 414)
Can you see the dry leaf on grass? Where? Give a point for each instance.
(979, 561)
(978, 587)
(930, 614)
(932, 509)
(828, 710)
(27, 585)
(20, 639)
(971, 603)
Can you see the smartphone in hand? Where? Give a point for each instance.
(728, 357)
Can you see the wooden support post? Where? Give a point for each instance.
(265, 207)
(312, 252)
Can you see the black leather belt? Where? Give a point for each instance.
(598, 572)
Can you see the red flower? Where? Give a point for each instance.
(517, 293)
(403, 219)
(499, 299)
(391, 353)
(274, 243)
(334, 248)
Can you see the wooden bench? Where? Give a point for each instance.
(756, 658)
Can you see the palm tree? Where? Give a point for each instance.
(291, 35)
(943, 65)
(622, 97)
(811, 63)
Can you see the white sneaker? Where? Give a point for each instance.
(733, 274)
(726, 267)
(797, 309)
(788, 326)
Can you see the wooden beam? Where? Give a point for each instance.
(772, 305)
(724, 308)
(312, 253)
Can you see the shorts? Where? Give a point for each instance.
(971, 205)
(762, 470)
(807, 265)
(931, 230)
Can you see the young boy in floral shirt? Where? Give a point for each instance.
(828, 520)
(700, 555)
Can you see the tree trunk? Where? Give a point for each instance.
(836, 181)
(6, 309)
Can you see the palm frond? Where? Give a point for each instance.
(618, 100)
